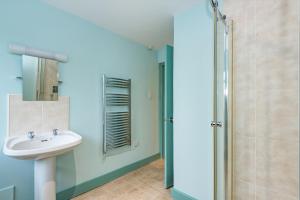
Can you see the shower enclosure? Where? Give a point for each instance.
(222, 105)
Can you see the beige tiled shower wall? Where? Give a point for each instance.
(37, 116)
(266, 123)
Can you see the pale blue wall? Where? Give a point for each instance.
(193, 65)
(92, 51)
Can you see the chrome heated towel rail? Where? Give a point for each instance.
(116, 113)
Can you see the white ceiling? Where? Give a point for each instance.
(149, 22)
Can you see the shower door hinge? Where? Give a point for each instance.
(216, 124)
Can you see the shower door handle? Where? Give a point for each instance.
(216, 124)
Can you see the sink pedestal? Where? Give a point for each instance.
(44, 179)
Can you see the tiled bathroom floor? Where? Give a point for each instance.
(145, 183)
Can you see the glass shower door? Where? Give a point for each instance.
(222, 112)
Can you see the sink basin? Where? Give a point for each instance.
(41, 146)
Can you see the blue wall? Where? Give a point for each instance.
(193, 72)
(92, 52)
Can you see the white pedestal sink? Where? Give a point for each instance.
(43, 148)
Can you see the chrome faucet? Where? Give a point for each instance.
(30, 134)
(55, 131)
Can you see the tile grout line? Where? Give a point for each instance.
(255, 95)
(42, 117)
(298, 90)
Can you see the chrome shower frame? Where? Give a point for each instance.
(227, 124)
(220, 15)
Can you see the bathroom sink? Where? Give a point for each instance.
(41, 146)
(43, 149)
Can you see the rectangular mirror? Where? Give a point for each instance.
(40, 79)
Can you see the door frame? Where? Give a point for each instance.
(165, 58)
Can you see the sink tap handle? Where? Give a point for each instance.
(30, 134)
(55, 131)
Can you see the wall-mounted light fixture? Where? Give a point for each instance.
(24, 50)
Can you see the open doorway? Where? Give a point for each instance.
(161, 69)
